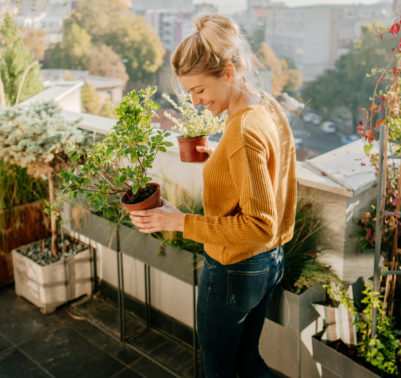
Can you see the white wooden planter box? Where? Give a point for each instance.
(50, 286)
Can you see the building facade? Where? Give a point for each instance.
(314, 37)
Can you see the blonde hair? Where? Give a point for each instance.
(216, 42)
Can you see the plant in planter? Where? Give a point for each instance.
(118, 164)
(194, 127)
(380, 353)
(302, 268)
(35, 137)
(22, 220)
(384, 111)
(290, 313)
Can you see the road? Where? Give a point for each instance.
(313, 137)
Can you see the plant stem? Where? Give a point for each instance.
(377, 85)
(53, 223)
(2, 95)
(21, 84)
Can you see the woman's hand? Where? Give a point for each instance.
(208, 150)
(165, 218)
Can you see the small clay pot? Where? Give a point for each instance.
(149, 203)
(188, 152)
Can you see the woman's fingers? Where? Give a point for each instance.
(204, 149)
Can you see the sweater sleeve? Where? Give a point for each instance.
(256, 220)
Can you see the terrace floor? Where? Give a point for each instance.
(81, 340)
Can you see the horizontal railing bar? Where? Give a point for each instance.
(391, 272)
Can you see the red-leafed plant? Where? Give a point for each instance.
(385, 109)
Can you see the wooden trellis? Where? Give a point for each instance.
(381, 212)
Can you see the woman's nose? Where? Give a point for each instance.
(195, 99)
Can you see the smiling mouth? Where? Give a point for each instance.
(209, 105)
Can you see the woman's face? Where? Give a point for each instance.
(209, 91)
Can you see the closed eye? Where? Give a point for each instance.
(200, 92)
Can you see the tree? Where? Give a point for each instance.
(73, 51)
(35, 41)
(19, 76)
(36, 137)
(257, 38)
(347, 85)
(103, 61)
(282, 77)
(130, 37)
(93, 104)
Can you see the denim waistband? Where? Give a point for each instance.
(259, 258)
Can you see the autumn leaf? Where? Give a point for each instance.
(395, 28)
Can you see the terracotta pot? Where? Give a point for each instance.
(150, 202)
(188, 152)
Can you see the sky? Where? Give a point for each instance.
(231, 6)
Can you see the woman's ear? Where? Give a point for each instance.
(230, 72)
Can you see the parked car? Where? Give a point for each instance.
(349, 139)
(312, 118)
(328, 127)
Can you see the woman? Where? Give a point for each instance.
(249, 199)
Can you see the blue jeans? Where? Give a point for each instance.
(232, 304)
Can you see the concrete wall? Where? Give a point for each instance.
(72, 101)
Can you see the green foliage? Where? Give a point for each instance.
(73, 51)
(128, 34)
(383, 349)
(93, 104)
(193, 123)
(302, 269)
(132, 140)
(36, 137)
(15, 60)
(17, 187)
(347, 85)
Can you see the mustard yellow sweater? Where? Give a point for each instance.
(250, 187)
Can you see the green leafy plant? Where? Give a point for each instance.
(384, 348)
(302, 269)
(193, 123)
(35, 137)
(384, 111)
(118, 164)
(16, 188)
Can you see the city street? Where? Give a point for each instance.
(312, 137)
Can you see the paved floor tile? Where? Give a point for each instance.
(149, 369)
(127, 373)
(14, 324)
(148, 341)
(4, 343)
(104, 341)
(65, 353)
(14, 364)
(173, 354)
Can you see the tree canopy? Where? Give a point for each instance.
(283, 78)
(73, 51)
(347, 84)
(127, 34)
(19, 74)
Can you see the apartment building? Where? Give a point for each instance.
(314, 37)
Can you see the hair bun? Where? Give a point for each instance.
(215, 22)
(201, 21)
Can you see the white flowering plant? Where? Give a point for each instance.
(193, 123)
(36, 137)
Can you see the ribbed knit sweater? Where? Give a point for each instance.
(249, 193)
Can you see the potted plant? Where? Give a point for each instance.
(35, 137)
(117, 165)
(194, 127)
(291, 318)
(347, 347)
(22, 219)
